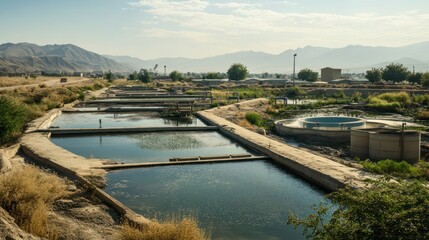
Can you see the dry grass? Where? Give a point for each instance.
(186, 229)
(28, 193)
(17, 81)
(14, 81)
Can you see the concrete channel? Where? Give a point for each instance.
(86, 131)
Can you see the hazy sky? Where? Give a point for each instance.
(197, 28)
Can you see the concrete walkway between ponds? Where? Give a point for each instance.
(324, 172)
(173, 163)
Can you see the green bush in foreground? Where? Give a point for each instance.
(13, 118)
(383, 210)
(398, 169)
(255, 118)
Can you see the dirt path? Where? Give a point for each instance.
(48, 83)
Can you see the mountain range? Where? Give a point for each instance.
(27, 57)
(352, 58)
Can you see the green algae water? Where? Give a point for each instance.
(111, 120)
(150, 147)
(246, 200)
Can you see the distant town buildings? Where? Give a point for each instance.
(329, 74)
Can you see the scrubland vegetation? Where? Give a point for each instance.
(382, 210)
(27, 194)
(398, 169)
(14, 81)
(186, 229)
(22, 105)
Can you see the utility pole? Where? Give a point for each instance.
(293, 77)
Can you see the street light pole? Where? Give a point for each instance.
(293, 77)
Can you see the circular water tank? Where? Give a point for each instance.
(331, 122)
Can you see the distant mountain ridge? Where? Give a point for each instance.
(352, 58)
(27, 57)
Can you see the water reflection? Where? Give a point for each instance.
(248, 200)
(91, 120)
(150, 147)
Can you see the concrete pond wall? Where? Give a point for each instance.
(313, 134)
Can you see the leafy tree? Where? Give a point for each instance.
(415, 77)
(425, 80)
(144, 76)
(382, 210)
(213, 75)
(133, 76)
(374, 75)
(176, 76)
(395, 72)
(307, 74)
(237, 71)
(110, 76)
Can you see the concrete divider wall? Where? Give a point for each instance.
(323, 172)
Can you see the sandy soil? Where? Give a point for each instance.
(77, 216)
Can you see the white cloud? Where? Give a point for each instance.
(237, 5)
(196, 21)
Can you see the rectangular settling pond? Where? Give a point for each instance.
(246, 200)
(149, 147)
(112, 120)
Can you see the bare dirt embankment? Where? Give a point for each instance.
(78, 215)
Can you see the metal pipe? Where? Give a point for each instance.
(403, 141)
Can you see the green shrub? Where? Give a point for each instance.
(382, 210)
(382, 105)
(401, 169)
(422, 99)
(255, 118)
(13, 118)
(401, 97)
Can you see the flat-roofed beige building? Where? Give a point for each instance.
(329, 74)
